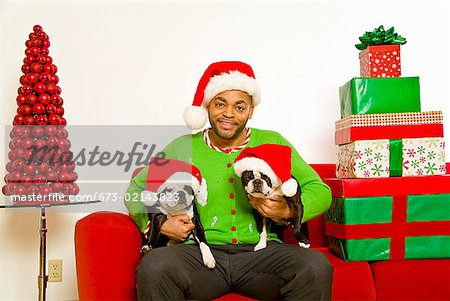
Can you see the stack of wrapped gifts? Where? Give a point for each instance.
(391, 197)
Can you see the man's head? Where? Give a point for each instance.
(232, 83)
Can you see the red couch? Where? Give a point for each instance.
(107, 248)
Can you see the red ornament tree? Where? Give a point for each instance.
(40, 160)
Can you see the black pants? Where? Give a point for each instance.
(279, 271)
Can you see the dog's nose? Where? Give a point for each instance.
(257, 183)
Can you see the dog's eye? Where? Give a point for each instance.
(188, 189)
(267, 179)
(248, 175)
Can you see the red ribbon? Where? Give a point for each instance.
(397, 230)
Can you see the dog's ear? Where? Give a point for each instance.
(247, 176)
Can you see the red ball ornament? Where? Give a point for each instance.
(37, 131)
(39, 87)
(49, 60)
(54, 78)
(45, 78)
(63, 121)
(54, 119)
(64, 144)
(41, 120)
(37, 28)
(18, 120)
(45, 52)
(29, 120)
(21, 131)
(36, 42)
(19, 190)
(50, 130)
(57, 100)
(43, 168)
(32, 189)
(63, 177)
(24, 110)
(62, 133)
(36, 68)
(52, 141)
(14, 177)
(23, 80)
(39, 179)
(27, 143)
(52, 176)
(10, 167)
(59, 111)
(51, 88)
(16, 141)
(54, 68)
(19, 163)
(57, 187)
(39, 143)
(21, 99)
(26, 68)
(32, 78)
(51, 109)
(28, 43)
(38, 108)
(73, 176)
(46, 43)
(67, 189)
(41, 35)
(44, 98)
(12, 155)
(27, 51)
(30, 168)
(25, 89)
(31, 99)
(29, 59)
(35, 51)
(58, 90)
(48, 68)
(45, 190)
(41, 58)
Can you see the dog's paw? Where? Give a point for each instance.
(261, 245)
(305, 245)
(208, 258)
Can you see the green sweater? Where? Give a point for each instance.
(228, 216)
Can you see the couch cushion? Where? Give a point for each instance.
(425, 279)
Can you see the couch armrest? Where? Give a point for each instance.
(107, 251)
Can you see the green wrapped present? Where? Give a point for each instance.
(389, 218)
(380, 95)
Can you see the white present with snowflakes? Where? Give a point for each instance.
(373, 158)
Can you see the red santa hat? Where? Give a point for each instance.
(273, 160)
(164, 171)
(219, 77)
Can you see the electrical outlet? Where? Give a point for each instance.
(55, 270)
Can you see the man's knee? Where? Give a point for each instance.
(154, 265)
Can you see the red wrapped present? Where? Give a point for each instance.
(389, 126)
(380, 61)
(390, 218)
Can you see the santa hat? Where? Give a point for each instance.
(219, 77)
(273, 160)
(165, 171)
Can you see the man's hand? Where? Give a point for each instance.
(177, 227)
(273, 207)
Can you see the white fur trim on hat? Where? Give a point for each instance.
(289, 188)
(234, 80)
(256, 164)
(195, 117)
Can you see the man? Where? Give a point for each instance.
(227, 94)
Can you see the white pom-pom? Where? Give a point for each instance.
(289, 188)
(195, 117)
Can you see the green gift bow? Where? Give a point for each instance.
(379, 36)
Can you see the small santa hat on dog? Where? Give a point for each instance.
(165, 171)
(273, 160)
(219, 77)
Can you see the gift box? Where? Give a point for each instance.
(380, 95)
(389, 126)
(390, 219)
(380, 61)
(391, 158)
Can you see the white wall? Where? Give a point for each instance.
(140, 63)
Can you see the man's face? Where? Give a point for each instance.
(229, 112)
